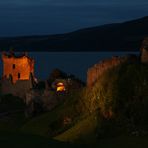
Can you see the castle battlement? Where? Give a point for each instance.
(17, 67)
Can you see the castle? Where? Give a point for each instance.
(18, 79)
(18, 74)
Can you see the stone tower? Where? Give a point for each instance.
(18, 74)
(144, 51)
(17, 67)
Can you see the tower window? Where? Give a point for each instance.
(13, 66)
(19, 75)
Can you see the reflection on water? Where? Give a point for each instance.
(75, 63)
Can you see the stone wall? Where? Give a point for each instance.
(144, 51)
(98, 69)
(20, 88)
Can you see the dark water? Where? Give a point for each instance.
(28, 17)
(75, 63)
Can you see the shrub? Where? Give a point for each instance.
(10, 103)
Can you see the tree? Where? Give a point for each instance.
(56, 74)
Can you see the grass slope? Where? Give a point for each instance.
(122, 142)
(83, 131)
(40, 125)
(19, 140)
(12, 122)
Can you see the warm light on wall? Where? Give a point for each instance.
(60, 87)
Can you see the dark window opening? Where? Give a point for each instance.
(10, 77)
(13, 66)
(19, 75)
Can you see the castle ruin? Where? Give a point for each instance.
(98, 69)
(18, 74)
(144, 51)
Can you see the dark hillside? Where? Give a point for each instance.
(126, 36)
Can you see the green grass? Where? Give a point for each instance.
(12, 122)
(9, 103)
(122, 142)
(83, 131)
(19, 140)
(11, 113)
(40, 125)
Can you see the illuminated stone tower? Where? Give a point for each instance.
(17, 67)
(18, 74)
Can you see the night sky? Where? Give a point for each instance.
(31, 17)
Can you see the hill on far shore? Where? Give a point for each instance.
(126, 36)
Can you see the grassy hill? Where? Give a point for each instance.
(84, 129)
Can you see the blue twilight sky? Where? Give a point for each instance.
(31, 17)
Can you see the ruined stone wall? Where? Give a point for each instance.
(144, 51)
(144, 56)
(18, 67)
(98, 69)
(20, 88)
